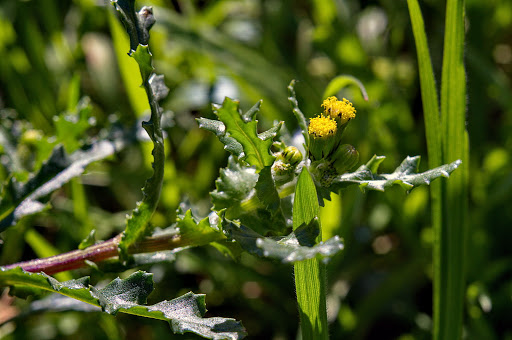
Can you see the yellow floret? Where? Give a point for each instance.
(343, 110)
(322, 126)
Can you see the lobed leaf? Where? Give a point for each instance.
(184, 314)
(256, 150)
(405, 175)
(235, 184)
(250, 197)
(219, 129)
(143, 57)
(299, 245)
(197, 233)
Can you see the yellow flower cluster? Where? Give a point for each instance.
(321, 126)
(343, 110)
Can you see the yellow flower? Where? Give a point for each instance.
(342, 110)
(321, 126)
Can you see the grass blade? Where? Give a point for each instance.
(446, 140)
(449, 302)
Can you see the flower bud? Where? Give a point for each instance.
(345, 158)
(291, 155)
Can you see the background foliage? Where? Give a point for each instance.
(53, 53)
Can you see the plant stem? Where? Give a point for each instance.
(101, 251)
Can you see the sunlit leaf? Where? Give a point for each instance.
(256, 150)
(144, 58)
(405, 175)
(297, 246)
(184, 314)
(234, 185)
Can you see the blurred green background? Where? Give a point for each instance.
(380, 287)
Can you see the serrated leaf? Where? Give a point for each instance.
(374, 163)
(256, 150)
(235, 191)
(301, 119)
(143, 57)
(184, 314)
(405, 175)
(88, 241)
(219, 129)
(197, 233)
(22, 199)
(299, 245)
(252, 112)
(272, 132)
(234, 185)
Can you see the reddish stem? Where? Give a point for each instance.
(101, 251)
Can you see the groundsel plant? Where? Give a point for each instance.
(266, 203)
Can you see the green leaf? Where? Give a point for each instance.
(236, 191)
(219, 129)
(301, 119)
(341, 82)
(88, 241)
(144, 58)
(256, 150)
(235, 184)
(297, 246)
(310, 275)
(198, 233)
(272, 132)
(428, 86)
(184, 314)
(23, 199)
(405, 175)
(267, 192)
(450, 253)
(305, 204)
(252, 112)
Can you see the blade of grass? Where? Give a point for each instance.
(446, 140)
(428, 88)
(310, 275)
(448, 307)
(434, 144)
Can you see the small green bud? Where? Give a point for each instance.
(345, 158)
(292, 155)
